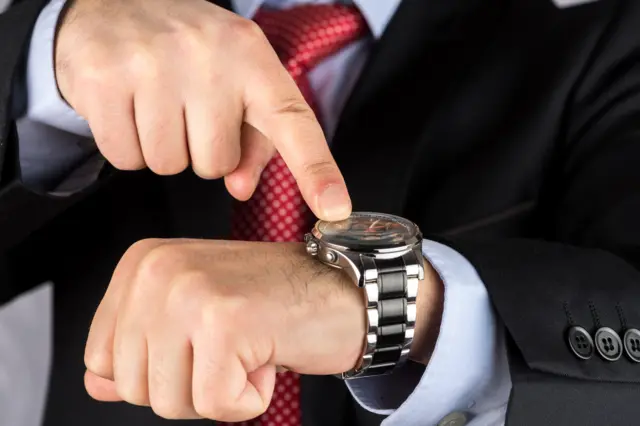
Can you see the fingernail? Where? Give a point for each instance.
(334, 203)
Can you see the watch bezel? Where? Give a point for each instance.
(399, 247)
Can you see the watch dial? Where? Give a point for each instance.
(369, 229)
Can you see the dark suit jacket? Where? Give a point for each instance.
(509, 129)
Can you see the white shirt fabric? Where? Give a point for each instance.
(468, 374)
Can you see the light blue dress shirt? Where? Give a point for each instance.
(468, 374)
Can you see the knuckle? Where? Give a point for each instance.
(204, 409)
(193, 39)
(226, 166)
(144, 63)
(247, 31)
(97, 361)
(141, 247)
(168, 408)
(320, 168)
(122, 152)
(158, 262)
(121, 159)
(144, 245)
(208, 173)
(296, 107)
(133, 393)
(212, 406)
(212, 318)
(186, 287)
(167, 165)
(221, 166)
(93, 71)
(217, 321)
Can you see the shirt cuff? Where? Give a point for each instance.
(467, 376)
(44, 102)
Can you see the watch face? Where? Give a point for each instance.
(368, 229)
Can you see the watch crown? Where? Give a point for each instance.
(312, 248)
(330, 256)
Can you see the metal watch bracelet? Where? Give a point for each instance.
(391, 289)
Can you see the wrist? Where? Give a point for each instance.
(346, 316)
(324, 332)
(430, 302)
(339, 316)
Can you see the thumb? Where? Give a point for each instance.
(99, 388)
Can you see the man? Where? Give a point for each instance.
(507, 131)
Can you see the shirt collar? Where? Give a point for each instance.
(377, 13)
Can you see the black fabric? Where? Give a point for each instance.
(509, 130)
(15, 27)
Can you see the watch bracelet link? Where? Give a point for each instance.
(391, 289)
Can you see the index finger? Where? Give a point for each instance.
(98, 355)
(275, 106)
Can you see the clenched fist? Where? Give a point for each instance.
(197, 328)
(166, 84)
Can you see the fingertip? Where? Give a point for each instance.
(263, 380)
(255, 400)
(240, 185)
(100, 389)
(333, 203)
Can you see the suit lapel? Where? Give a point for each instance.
(15, 28)
(409, 72)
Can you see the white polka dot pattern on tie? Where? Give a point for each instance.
(281, 413)
(277, 211)
(284, 412)
(302, 36)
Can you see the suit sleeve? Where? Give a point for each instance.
(586, 271)
(23, 210)
(16, 26)
(54, 140)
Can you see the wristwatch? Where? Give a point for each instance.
(382, 254)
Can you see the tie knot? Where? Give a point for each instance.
(305, 35)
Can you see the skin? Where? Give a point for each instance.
(170, 84)
(187, 329)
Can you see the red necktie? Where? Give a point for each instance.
(302, 36)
